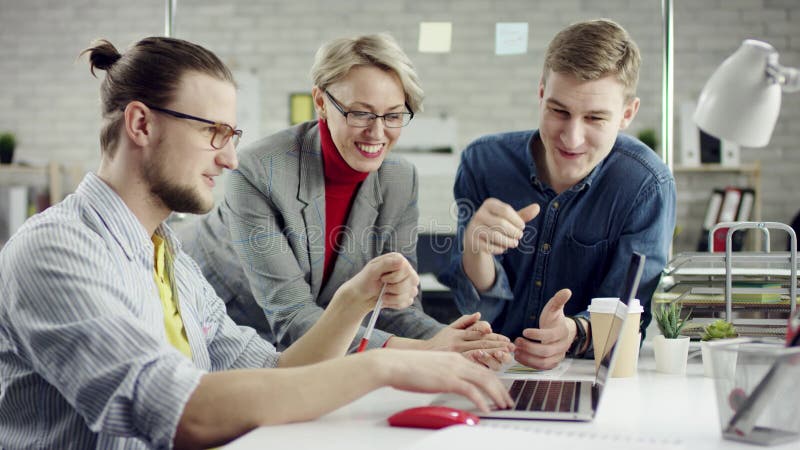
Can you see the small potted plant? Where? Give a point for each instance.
(7, 144)
(671, 349)
(716, 330)
(648, 138)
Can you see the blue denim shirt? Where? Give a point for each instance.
(582, 239)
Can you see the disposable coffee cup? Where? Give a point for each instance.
(601, 316)
(628, 352)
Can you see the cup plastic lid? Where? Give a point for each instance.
(604, 305)
(635, 306)
(610, 305)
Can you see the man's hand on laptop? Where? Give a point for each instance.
(546, 346)
(432, 372)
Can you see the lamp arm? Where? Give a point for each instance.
(787, 77)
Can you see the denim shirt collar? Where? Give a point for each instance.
(586, 182)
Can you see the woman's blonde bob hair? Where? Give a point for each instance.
(335, 59)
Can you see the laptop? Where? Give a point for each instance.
(562, 399)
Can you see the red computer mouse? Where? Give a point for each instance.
(433, 417)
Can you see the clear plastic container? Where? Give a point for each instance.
(758, 397)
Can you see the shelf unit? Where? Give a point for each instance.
(750, 170)
(49, 176)
(57, 179)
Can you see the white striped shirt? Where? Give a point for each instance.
(84, 358)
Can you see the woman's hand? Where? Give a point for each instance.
(362, 290)
(474, 339)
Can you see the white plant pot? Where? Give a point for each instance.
(671, 354)
(722, 364)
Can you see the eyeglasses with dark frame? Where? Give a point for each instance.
(222, 131)
(363, 119)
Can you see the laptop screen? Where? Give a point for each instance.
(635, 269)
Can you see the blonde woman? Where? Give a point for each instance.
(310, 206)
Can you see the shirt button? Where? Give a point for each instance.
(545, 247)
(555, 205)
(538, 283)
(533, 317)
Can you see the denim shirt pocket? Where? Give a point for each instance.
(587, 256)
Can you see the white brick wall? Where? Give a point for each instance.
(50, 100)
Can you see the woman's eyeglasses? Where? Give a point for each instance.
(363, 119)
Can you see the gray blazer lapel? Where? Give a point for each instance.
(311, 191)
(359, 236)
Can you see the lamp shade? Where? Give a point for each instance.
(740, 102)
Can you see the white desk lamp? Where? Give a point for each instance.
(740, 103)
(742, 99)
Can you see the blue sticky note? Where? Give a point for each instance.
(511, 38)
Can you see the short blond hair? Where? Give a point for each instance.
(336, 58)
(592, 50)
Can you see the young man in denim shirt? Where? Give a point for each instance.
(548, 218)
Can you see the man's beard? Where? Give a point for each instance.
(183, 199)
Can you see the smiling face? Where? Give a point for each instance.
(368, 89)
(579, 122)
(181, 168)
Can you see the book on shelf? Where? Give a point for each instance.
(762, 292)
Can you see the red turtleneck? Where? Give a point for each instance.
(341, 184)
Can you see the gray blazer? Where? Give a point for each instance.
(273, 218)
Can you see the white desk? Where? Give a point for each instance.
(651, 404)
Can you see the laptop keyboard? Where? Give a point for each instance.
(545, 395)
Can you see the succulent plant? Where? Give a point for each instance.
(719, 329)
(668, 318)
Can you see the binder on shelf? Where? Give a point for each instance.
(743, 215)
(727, 205)
(746, 205)
(690, 135)
(710, 149)
(729, 154)
(730, 204)
(714, 206)
(728, 212)
(712, 214)
(17, 208)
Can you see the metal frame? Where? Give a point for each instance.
(764, 227)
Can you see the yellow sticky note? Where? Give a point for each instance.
(301, 108)
(435, 37)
